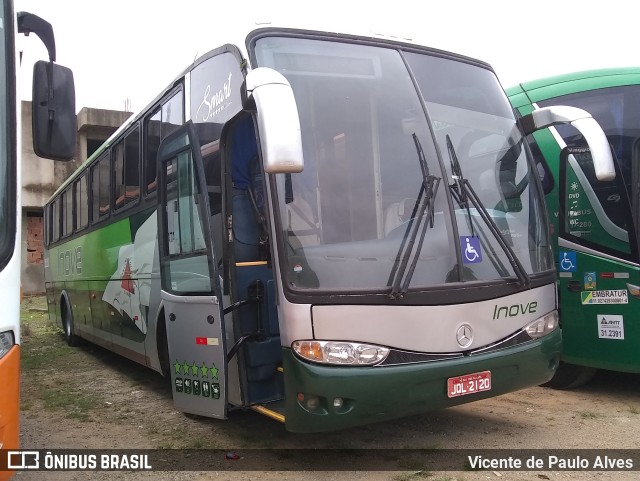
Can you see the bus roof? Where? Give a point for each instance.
(563, 84)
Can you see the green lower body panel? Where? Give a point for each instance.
(371, 394)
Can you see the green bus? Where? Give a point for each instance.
(330, 229)
(595, 225)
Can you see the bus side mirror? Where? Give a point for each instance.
(588, 127)
(53, 111)
(269, 93)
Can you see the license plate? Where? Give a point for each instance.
(469, 384)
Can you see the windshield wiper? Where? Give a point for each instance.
(462, 191)
(399, 277)
(459, 194)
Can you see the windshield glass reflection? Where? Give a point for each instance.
(365, 188)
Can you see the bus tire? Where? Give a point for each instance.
(570, 376)
(67, 324)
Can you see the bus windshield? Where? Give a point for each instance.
(368, 116)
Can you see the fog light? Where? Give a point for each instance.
(313, 402)
(338, 402)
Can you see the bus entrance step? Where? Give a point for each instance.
(273, 410)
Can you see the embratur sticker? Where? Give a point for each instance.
(617, 296)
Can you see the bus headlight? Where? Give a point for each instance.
(543, 326)
(340, 352)
(6, 342)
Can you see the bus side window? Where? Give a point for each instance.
(67, 212)
(127, 167)
(82, 203)
(163, 121)
(118, 172)
(132, 166)
(101, 185)
(151, 144)
(55, 220)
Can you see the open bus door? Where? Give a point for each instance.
(191, 295)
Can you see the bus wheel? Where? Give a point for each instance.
(67, 323)
(570, 376)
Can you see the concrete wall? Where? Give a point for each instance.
(39, 182)
(38, 175)
(97, 124)
(42, 177)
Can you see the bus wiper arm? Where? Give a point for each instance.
(459, 194)
(400, 277)
(465, 192)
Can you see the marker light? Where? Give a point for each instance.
(543, 326)
(340, 352)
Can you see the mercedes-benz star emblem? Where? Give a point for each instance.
(464, 336)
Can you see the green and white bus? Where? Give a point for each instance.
(595, 225)
(403, 266)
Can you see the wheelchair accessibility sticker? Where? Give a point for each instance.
(567, 261)
(471, 250)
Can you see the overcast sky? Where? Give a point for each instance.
(128, 50)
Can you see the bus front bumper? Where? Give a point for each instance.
(343, 397)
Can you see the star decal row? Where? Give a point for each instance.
(195, 370)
